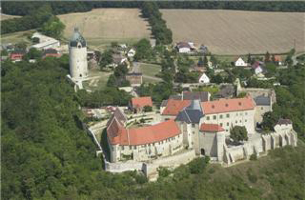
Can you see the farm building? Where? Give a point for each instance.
(45, 42)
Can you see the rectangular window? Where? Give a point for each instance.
(246, 113)
(123, 148)
(208, 117)
(245, 120)
(221, 124)
(220, 116)
(228, 123)
(193, 125)
(129, 147)
(134, 147)
(228, 115)
(214, 117)
(262, 108)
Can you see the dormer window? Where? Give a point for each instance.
(239, 103)
(79, 46)
(227, 105)
(213, 106)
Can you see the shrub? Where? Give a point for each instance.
(253, 157)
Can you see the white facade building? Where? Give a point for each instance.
(78, 56)
(240, 63)
(45, 42)
(204, 79)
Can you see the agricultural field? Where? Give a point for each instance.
(102, 26)
(227, 32)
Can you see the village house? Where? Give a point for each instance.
(17, 55)
(278, 60)
(258, 67)
(51, 53)
(135, 78)
(137, 104)
(204, 79)
(240, 63)
(185, 47)
(131, 53)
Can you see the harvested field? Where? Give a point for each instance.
(238, 32)
(102, 26)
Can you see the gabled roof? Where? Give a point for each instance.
(119, 115)
(211, 128)
(173, 106)
(191, 114)
(183, 45)
(262, 100)
(141, 102)
(228, 105)
(117, 134)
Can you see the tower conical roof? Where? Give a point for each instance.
(77, 38)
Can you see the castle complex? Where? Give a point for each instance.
(199, 126)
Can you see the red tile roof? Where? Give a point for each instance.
(211, 128)
(277, 58)
(228, 105)
(174, 106)
(141, 102)
(118, 134)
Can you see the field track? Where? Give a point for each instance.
(238, 32)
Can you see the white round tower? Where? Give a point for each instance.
(78, 56)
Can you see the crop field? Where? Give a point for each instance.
(238, 32)
(102, 26)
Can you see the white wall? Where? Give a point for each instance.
(230, 119)
(147, 151)
(78, 62)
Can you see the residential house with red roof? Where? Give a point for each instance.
(17, 55)
(137, 104)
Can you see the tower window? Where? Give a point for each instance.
(80, 75)
(79, 46)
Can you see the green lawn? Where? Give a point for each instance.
(150, 69)
(17, 37)
(98, 81)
